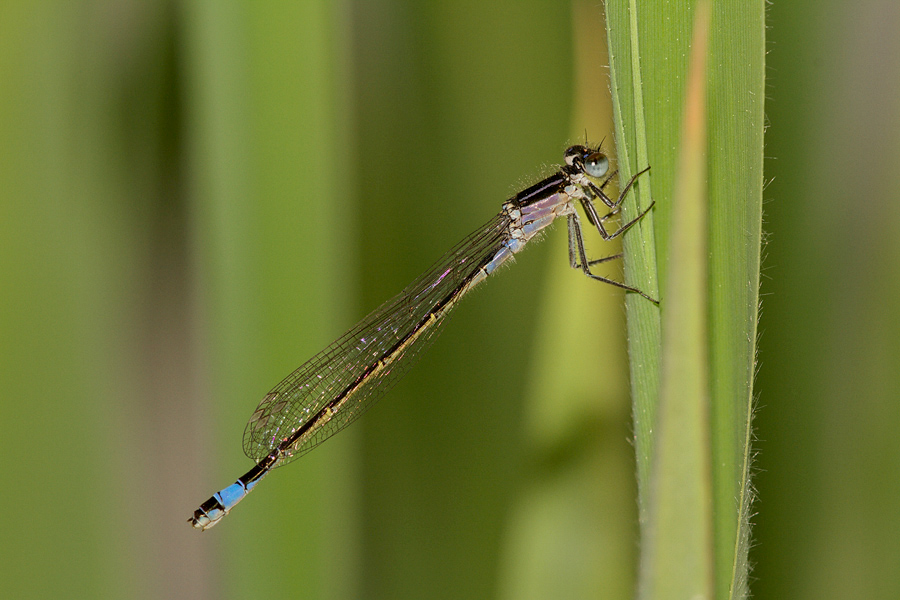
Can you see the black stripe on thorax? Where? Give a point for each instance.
(542, 189)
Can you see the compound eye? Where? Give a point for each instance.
(596, 164)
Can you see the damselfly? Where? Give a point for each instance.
(336, 386)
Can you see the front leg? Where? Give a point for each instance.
(598, 190)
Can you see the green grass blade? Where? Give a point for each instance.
(649, 46)
(677, 560)
(639, 244)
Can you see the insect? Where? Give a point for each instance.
(341, 382)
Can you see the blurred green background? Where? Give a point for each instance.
(195, 197)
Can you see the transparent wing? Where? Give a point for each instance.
(339, 368)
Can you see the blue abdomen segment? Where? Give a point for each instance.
(213, 510)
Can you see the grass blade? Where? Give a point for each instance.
(678, 560)
(649, 46)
